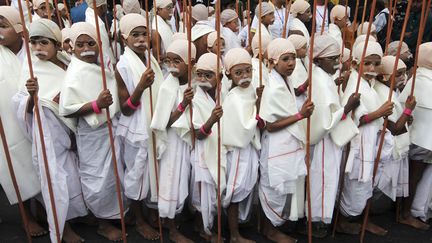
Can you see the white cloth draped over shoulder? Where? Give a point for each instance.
(282, 155)
(231, 39)
(18, 144)
(174, 148)
(336, 33)
(420, 131)
(297, 24)
(165, 32)
(255, 73)
(136, 128)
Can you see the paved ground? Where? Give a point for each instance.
(11, 231)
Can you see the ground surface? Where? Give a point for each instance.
(11, 231)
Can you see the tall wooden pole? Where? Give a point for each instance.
(383, 131)
(218, 102)
(324, 17)
(14, 181)
(286, 19)
(39, 125)
(110, 130)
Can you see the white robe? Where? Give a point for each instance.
(255, 73)
(231, 39)
(241, 136)
(282, 164)
(18, 144)
(96, 167)
(140, 170)
(327, 151)
(205, 162)
(420, 131)
(62, 160)
(336, 33)
(359, 166)
(392, 174)
(174, 148)
(165, 32)
(106, 46)
(422, 204)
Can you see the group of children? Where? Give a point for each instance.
(182, 121)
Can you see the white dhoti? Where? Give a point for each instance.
(97, 170)
(422, 206)
(324, 178)
(174, 174)
(242, 175)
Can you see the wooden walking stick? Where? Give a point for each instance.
(260, 57)
(110, 130)
(342, 47)
(389, 26)
(324, 17)
(157, 32)
(364, 14)
(115, 31)
(155, 163)
(354, 27)
(287, 11)
(59, 19)
(29, 12)
(308, 158)
(383, 131)
(249, 24)
(39, 125)
(48, 7)
(14, 181)
(423, 21)
(218, 102)
(189, 38)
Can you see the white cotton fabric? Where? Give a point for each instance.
(18, 143)
(299, 7)
(298, 41)
(82, 28)
(393, 46)
(38, 3)
(164, 30)
(227, 16)
(199, 12)
(135, 130)
(325, 46)
(424, 58)
(45, 28)
(279, 47)
(297, 24)
(266, 8)
(90, 3)
(373, 48)
(235, 57)
(265, 40)
(337, 12)
(90, 18)
(208, 62)
(131, 21)
(256, 71)
(131, 6)
(200, 29)
(180, 48)
(363, 28)
(12, 15)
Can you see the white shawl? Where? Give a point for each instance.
(83, 84)
(296, 24)
(255, 73)
(328, 111)
(50, 82)
(239, 123)
(19, 146)
(299, 74)
(164, 30)
(90, 18)
(336, 33)
(203, 106)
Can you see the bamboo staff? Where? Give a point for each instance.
(342, 177)
(389, 26)
(157, 31)
(189, 38)
(354, 27)
(343, 47)
(249, 24)
(29, 12)
(110, 130)
(423, 21)
(308, 158)
(14, 181)
(60, 22)
(48, 7)
(365, 47)
(39, 125)
(115, 31)
(287, 11)
(260, 57)
(218, 102)
(324, 17)
(237, 7)
(155, 163)
(364, 14)
(383, 131)
(184, 15)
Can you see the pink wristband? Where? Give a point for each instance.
(301, 89)
(261, 122)
(131, 105)
(366, 118)
(407, 112)
(299, 116)
(343, 117)
(204, 131)
(96, 108)
(180, 107)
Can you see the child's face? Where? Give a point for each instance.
(241, 75)
(286, 64)
(233, 25)
(176, 66)
(301, 53)
(8, 36)
(86, 49)
(268, 19)
(44, 48)
(206, 79)
(137, 39)
(369, 67)
(213, 49)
